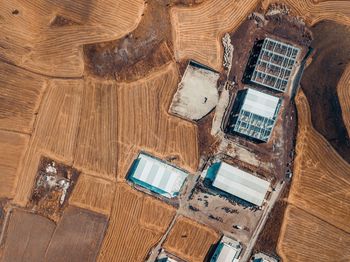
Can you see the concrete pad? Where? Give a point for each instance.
(197, 93)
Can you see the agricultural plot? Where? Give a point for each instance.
(93, 193)
(327, 196)
(144, 122)
(98, 121)
(54, 135)
(344, 97)
(28, 236)
(306, 237)
(320, 188)
(48, 35)
(21, 93)
(189, 240)
(12, 149)
(81, 231)
(137, 223)
(197, 30)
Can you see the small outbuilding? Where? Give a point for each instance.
(241, 184)
(157, 175)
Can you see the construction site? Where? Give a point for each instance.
(176, 130)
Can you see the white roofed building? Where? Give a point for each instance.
(253, 114)
(241, 184)
(157, 176)
(228, 250)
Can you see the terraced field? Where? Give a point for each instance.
(197, 30)
(344, 97)
(310, 236)
(318, 200)
(47, 36)
(137, 223)
(50, 105)
(189, 240)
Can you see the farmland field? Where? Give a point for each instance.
(319, 195)
(306, 237)
(28, 236)
(137, 223)
(88, 85)
(189, 240)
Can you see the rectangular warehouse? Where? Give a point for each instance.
(227, 250)
(157, 176)
(271, 64)
(253, 114)
(241, 184)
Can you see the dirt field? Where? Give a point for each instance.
(54, 133)
(81, 231)
(93, 193)
(306, 237)
(12, 148)
(320, 188)
(137, 223)
(189, 240)
(18, 109)
(332, 54)
(57, 50)
(28, 236)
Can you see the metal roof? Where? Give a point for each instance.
(275, 63)
(241, 184)
(260, 103)
(157, 176)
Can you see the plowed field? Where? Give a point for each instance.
(319, 203)
(21, 93)
(55, 132)
(190, 240)
(32, 36)
(144, 123)
(93, 193)
(197, 30)
(344, 97)
(12, 148)
(306, 237)
(137, 223)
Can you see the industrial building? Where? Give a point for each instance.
(227, 250)
(157, 175)
(271, 64)
(241, 184)
(253, 114)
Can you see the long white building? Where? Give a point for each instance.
(241, 184)
(157, 176)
